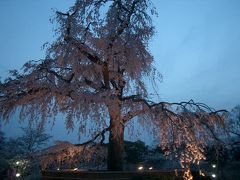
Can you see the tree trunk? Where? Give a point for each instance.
(116, 140)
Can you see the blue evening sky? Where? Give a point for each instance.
(196, 47)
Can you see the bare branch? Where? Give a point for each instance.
(124, 24)
(102, 134)
(235, 133)
(132, 114)
(183, 104)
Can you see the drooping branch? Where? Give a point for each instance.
(46, 67)
(180, 114)
(82, 48)
(183, 104)
(235, 133)
(102, 134)
(185, 127)
(131, 114)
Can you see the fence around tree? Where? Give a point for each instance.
(116, 175)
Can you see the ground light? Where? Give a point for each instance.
(214, 166)
(75, 169)
(140, 168)
(214, 175)
(17, 162)
(18, 175)
(150, 168)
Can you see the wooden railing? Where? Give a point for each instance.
(115, 175)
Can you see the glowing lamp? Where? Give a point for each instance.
(214, 166)
(140, 168)
(214, 175)
(150, 168)
(18, 175)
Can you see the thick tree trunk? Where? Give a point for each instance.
(116, 140)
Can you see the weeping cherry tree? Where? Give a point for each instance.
(95, 73)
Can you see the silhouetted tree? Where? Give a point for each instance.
(234, 122)
(29, 144)
(21, 153)
(3, 161)
(135, 151)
